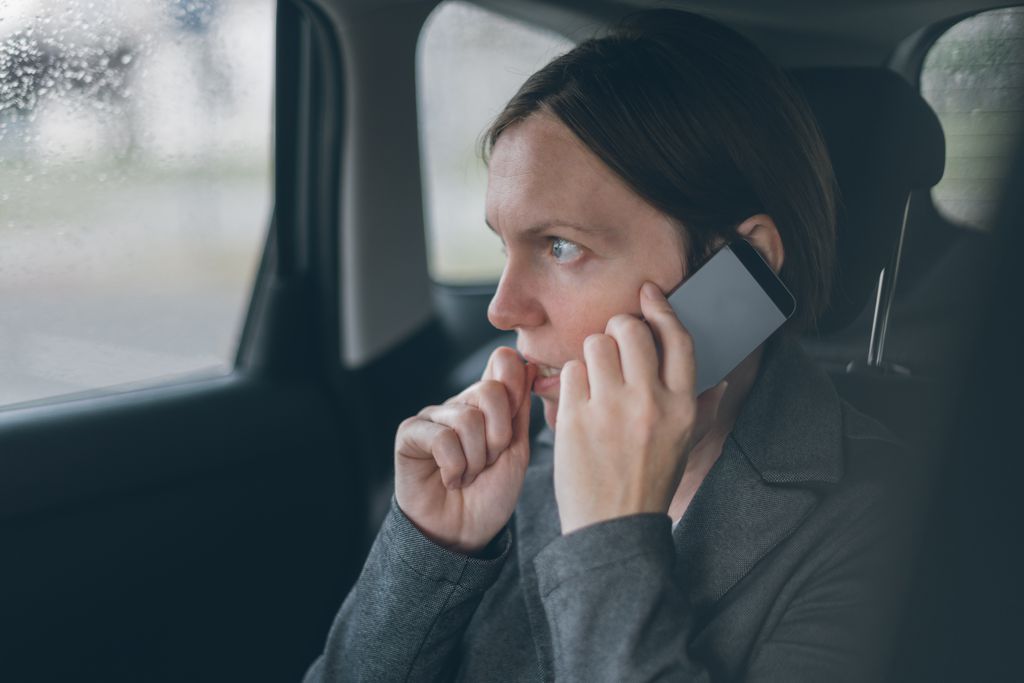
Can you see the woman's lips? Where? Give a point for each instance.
(546, 386)
(547, 380)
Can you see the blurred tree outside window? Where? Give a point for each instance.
(469, 64)
(135, 188)
(973, 77)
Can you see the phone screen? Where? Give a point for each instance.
(730, 305)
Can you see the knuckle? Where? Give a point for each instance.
(468, 419)
(620, 322)
(648, 410)
(491, 390)
(596, 341)
(444, 440)
(685, 410)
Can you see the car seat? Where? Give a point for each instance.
(887, 148)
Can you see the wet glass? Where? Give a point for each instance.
(974, 79)
(135, 188)
(469, 64)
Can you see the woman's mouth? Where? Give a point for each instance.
(547, 380)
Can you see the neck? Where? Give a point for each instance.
(707, 451)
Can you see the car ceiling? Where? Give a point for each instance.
(793, 32)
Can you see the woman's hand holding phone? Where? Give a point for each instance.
(459, 467)
(627, 422)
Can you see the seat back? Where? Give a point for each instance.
(885, 143)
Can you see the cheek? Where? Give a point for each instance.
(591, 316)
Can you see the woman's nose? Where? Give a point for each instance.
(513, 305)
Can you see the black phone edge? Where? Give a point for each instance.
(765, 276)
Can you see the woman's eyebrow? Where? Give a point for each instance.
(544, 225)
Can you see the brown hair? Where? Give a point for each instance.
(698, 122)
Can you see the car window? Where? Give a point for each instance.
(135, 188)
(973, 77)
(469, 64)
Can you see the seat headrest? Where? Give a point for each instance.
(884, 141)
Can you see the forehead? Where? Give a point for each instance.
(540, 171)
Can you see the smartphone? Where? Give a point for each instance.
(730, 305)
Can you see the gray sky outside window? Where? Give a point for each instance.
(135, 188)
(470, 62)
(974, 79)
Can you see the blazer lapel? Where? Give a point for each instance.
(785, 446)
(537, 524)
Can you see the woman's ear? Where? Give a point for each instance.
(762, 234)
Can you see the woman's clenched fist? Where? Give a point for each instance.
(459, 466)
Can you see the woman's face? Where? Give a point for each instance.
(579, 244)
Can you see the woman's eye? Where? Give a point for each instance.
(564, 251)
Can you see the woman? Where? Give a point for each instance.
(657, 534)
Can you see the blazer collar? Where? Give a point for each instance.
(790, 426)
(786, 444)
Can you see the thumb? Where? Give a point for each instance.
(521, 419)
(711, 400)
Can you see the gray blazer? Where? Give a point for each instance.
(779, 569)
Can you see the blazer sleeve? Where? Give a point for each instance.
(405, 615)
(617, 613)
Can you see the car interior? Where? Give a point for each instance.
(208, 528)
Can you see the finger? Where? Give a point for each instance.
(574, 389)
(678, 365)
(517, 455)
(423, 438)
(604, 371)
(468, 423)
(711, 399)
(521, 421)
(492, 398)
(638, 355)
(507, 367)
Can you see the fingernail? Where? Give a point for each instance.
(651, 291)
